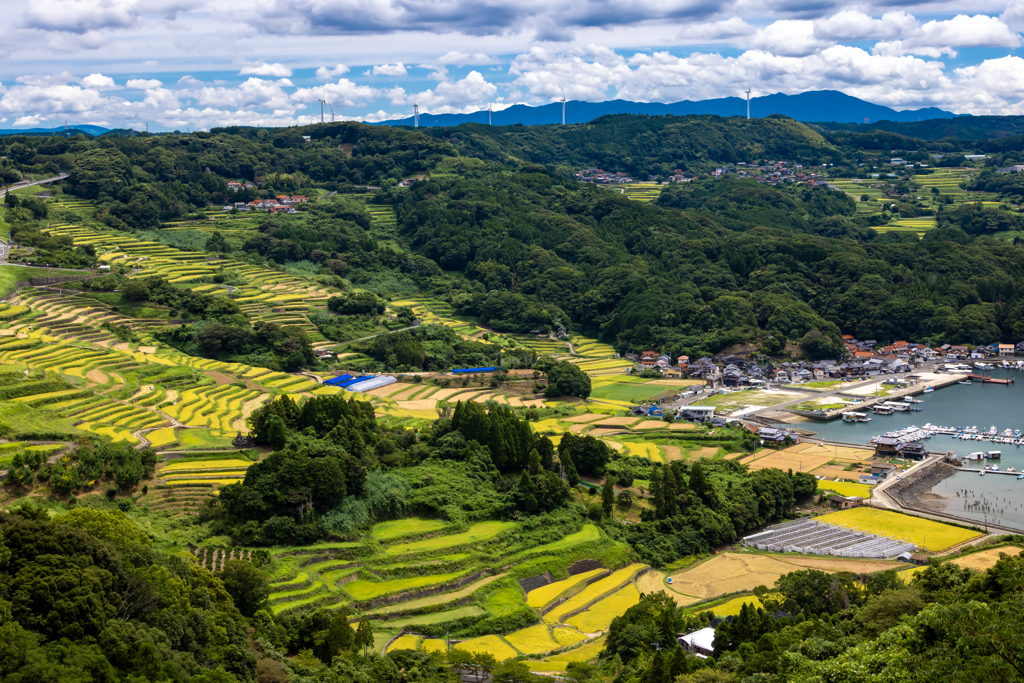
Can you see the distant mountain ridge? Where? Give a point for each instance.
(59, 130)
(813, 106)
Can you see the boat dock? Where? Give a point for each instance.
(974, 471)
(868, 402)
(990, 380)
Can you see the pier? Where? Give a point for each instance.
(865, 403)
(987, 472)
(990, 380)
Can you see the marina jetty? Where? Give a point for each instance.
(867, 403)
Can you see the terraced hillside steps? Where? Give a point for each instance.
(583, 566)
(533, 582)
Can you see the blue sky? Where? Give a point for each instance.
(181, 64)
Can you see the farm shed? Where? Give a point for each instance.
(700, 643)
(371, 383)
(462, 371)
(337, 381)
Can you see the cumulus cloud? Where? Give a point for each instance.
(99, 82)
(255, 93)
(551, 19)
(44, 81)
(719, 31)
(264, 69)
(388, 70)
(936, 38)
(143, 83)
(468, 94)
(344, 93)
(325, 73)
(80, 16)
(27, 121)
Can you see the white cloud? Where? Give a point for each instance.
(325, 73)
(790, 38)
(388, 70)
(144, 83)
(544, 75)
(189, 80)
(99, 82)
(719, 31)
(44, 81)
(264, 69)
(80, 16)
(936, 38)
(254, 93)
(456, 58)
(468, 94)
(3, 120)
(27, 121)
(344, 93)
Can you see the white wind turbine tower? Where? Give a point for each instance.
(748, 101)
(563, 106)
(415, 116)
(489, 114)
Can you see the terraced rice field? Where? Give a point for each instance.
(559, 662)
(599, 616)
(545, 595)
(593, 592)
(492, 645)
(925, 533)
(536, 639)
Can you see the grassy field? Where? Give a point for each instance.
(388, 531)
(933, 536)
(481, 531)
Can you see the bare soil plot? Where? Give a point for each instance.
(786, 460)
(404, 392)
(425, 404)
(577, 429)
(441, 394)
(705, 452)
(96, 376)
(614, 445)
(673, 453)
(220, 377)
(583, 418)
(515, 402)
(651, 424)
(146, 349)
(391, 389)
(730, 573)
(836, 472)
(731, 456)
(533, 403)
(844, 453)
(172, 396)
(674, 382)
(601, 432)
(986, 559)
(682, 426)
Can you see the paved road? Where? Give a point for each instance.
(18, 186)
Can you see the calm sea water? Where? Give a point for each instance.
(997, 497)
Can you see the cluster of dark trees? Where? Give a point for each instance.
(54, 250)
(707, 504)
(86, 598)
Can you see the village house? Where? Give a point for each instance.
(845, 502)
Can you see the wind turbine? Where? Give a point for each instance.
(748, 101)
(415, 116)
(323, 101)
(489, 114)
(563, 106)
